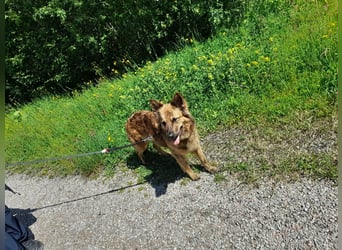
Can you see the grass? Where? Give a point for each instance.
(291, 150)
(281, 62)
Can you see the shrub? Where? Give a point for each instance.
(61, 45)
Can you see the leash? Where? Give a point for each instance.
(11, 190)
(103, 151)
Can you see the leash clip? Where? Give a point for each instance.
(149, 138)
(105, 151)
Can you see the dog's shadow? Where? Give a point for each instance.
(160, 170)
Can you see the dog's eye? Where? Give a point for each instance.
(174, 119)
(163, 123)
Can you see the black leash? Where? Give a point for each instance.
(104, 151)
(11, 190)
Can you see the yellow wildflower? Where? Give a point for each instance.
(109, 138)
(231, 51)
(265, 58)
(195, 67)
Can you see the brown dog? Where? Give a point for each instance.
(171, 126)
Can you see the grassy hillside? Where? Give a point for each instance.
(278, 65)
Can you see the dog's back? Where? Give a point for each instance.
(140, 125)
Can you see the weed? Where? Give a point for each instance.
(218, 178)
(185, 181)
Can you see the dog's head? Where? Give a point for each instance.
(174, 118)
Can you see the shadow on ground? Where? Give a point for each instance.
(159, 171)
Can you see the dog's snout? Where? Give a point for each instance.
(172, 135)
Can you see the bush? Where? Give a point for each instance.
(61, 45)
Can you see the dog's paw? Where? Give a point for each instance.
(211, 168)
(194, 176)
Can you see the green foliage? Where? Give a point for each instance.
(57, 46)
(243, 75)
(235, 70)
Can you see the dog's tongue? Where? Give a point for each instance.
(176, 142)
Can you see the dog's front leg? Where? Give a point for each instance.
(199, 153)
(181, 160)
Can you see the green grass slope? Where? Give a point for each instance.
(278, 64)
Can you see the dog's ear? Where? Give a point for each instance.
(179, 102)
(155, 105)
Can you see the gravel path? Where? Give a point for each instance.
(78, 213)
